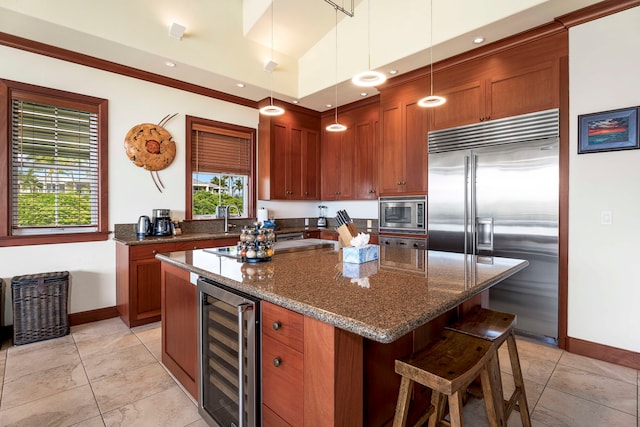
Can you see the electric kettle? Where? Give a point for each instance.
(143, 227)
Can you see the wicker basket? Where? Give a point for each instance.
(40, 306)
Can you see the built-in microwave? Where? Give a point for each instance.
(403, 214)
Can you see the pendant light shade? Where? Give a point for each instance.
(335, 126)
(370, 77)
(271, 110)
(431, 100)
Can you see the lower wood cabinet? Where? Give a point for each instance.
(180, 326)
(282, 365)
(179, 304)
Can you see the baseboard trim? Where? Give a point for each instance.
(93, 315)
(603, 352)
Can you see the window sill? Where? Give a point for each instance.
(51, 239)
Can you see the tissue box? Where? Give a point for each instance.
(357, 271)
(359, 255)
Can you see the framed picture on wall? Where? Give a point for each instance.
(608, 131)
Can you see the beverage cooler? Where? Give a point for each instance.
(229, 350)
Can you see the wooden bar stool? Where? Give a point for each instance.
(497, 327)
(447, 368)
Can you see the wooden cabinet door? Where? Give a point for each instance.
(311, 165)
(180, 326)
(524, 91)
(416, 149)
(465, 105)
(392, 149)
(331, 144)
(293, 165)
(366, 160)
(279, 144)
(145, 291)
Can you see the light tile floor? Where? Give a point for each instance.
(104, 374)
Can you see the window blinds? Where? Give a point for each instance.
(54, 167)
(220, 151)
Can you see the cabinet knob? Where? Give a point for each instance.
(306, 193)
(277, 325)
(277, 361)
(154, 251)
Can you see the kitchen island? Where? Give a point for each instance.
(352, 327)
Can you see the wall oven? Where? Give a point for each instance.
(229, 356)
(403, 214)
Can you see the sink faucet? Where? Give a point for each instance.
(225, 213)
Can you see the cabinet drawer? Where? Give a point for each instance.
(283, 325)
(196, 244)
(282, 389)
(271, 419)
(150, 251)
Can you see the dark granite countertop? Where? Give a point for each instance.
(403, 290)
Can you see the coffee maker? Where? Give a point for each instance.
(161, 223)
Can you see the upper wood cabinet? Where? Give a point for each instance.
(508, 83)
(349, 158)
(403, 141)
(289, 157)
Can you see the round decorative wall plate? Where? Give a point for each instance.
(150, 146)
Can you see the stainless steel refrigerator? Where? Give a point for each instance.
(493, 190)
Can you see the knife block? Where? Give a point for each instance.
(347, 232)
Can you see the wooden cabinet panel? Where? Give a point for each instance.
(310, 161)
(403, 147)
(533, 89)
(465, 104)
(415, 174)
(180, 326)
(288, 157)
(283, 325)
(329, 235)
(282, 384)
(311, 234)
(271, 419)
(146, 294)
(391, 149)
(150, 251)
(366, 161)
(331, 163)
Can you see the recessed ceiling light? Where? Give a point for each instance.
(363, 94)
(170, 64)
(393, 72)
(478, 40)
(240, 84)
(329, 105)
(295, 101)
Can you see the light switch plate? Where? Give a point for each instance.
(606, 217)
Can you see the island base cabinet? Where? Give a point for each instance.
(180, 326)
(282, 378)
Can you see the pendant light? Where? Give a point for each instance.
(271, 110)
(431, 100)
(336, 127)
(370, 77)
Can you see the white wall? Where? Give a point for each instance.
(131, 189)
(604, 284)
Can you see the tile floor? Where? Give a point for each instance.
(104, 374)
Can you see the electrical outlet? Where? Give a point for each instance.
(606, 217)
(369, 223)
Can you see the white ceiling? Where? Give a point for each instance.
(228, 41)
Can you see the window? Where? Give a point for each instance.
(220, 169)
(55, 158)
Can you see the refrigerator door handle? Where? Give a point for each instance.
(484, 234)
(473, 203)
(465, 218)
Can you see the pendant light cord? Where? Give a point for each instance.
(273, 4)
(369, 34)
(336, 104)
(431, 44)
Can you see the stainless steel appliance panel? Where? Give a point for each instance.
(493, 190)
(229, 356)
(517, 216)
